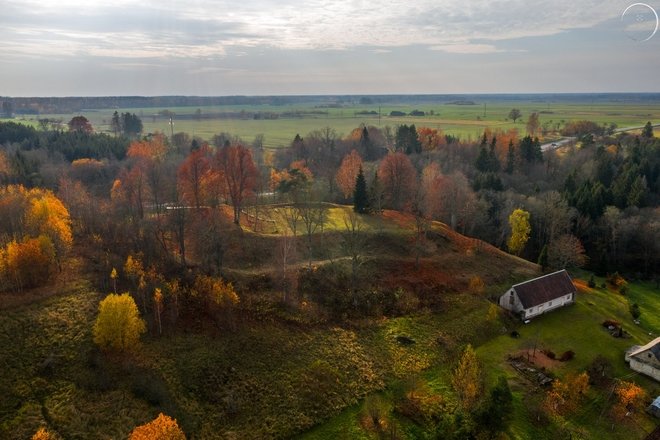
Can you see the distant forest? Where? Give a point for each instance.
(44, 105)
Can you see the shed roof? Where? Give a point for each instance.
(656, 402)
(543, 289)
(653, 346)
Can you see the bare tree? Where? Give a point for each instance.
(284, 256)
(312, 213)
(354, 243)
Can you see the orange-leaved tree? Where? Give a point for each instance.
(240, 175)
(399, 178)
(629, 398)
(44, 434)
(28, 263)
(565, 396)
(431, 138)
(347, 173)
(192, 176)
(161, 428)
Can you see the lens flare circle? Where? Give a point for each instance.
(639, 18)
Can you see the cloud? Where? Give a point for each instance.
(467, 48)
(205, 28)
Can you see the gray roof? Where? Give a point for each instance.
(653, 347)
(656, 402)
(543, 289)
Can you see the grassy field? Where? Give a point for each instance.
(465, 121)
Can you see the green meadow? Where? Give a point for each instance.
(464, 121)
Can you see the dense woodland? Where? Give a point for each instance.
(165, 218)
(599, 196)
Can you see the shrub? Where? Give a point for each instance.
(550, 354)
(592, 282)
(634, 311)
(616, 281)
(611, 323)
(600, 370)
(161, 428)
(567, 356)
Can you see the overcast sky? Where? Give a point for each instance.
(258, 47)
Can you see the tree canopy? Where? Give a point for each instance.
(118, 325)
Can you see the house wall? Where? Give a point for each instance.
(505, 301)
(646, 369)
(550, 305)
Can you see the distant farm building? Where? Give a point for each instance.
(646, 359)
(540, 295)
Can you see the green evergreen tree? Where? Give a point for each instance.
(115, 124)
(493, 161)
(510, 159)
(482, 162)
(360, 195)
(647, 131)
(496, 413)
(376, 194)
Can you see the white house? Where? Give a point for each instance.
(646, 359)
(540, 295)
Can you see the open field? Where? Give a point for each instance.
(464, 121)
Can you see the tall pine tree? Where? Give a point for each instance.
(360, 195)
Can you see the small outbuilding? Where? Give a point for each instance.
(654, 408)
(540, 295)
(646, 359)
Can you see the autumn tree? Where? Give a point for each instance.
(467, 380)
(35, 230)
(520, 230)
(240, 175)
(194, 177)
(565, 396)
(431, 139)
(118, 325)
(81, 124)
(217, 295)
(158, 308)
(47, 216)
(515, 114)
(533, 124)
(629, 399)
(44, 434)
(28, 263)
(399, 178)
(161, 428)
(347, 173)
(566, 251)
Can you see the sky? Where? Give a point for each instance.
(269, 47)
